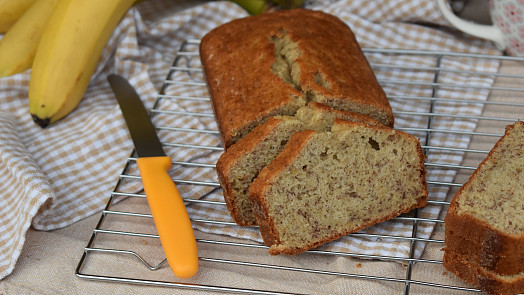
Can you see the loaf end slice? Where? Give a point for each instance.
(485, 220)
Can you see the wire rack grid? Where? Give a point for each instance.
(124, 246)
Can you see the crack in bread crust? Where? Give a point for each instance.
(273, 64)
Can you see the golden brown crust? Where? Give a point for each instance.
(483, 245)
(487, 281)
(237, 58)
(336, 54)
(478, 241)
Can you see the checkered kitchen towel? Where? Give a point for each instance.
(53, 177)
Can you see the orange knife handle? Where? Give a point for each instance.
(170, 216)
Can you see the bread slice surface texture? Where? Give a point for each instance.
(323, 186)
(242, 162)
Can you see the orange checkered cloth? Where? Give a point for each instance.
(53, 177)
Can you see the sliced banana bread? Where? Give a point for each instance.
(242, 162)
(485, 220)
(323, 186)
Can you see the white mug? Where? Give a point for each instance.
(507, 30)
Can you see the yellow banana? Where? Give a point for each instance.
(18, 46)
(68, 53)
(11, 10)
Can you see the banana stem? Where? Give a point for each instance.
(253, 7)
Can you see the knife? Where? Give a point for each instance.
(167, 207)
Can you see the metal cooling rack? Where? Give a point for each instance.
(124, 246)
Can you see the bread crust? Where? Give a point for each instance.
(237, 58)
(482, 244)
(487, 281)
(476, 240)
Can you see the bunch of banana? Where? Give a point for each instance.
(11, 11)
(19, 44)
(68, 53)
(61, 40)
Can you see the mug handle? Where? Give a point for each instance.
(482, 31)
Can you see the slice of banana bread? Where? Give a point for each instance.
(485, 220)
(241, 163)
(323, 186)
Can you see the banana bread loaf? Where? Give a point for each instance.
(272, 64)
(242, 162)
(485, 220)
(323, 186)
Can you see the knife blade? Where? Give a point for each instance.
(167, 206)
